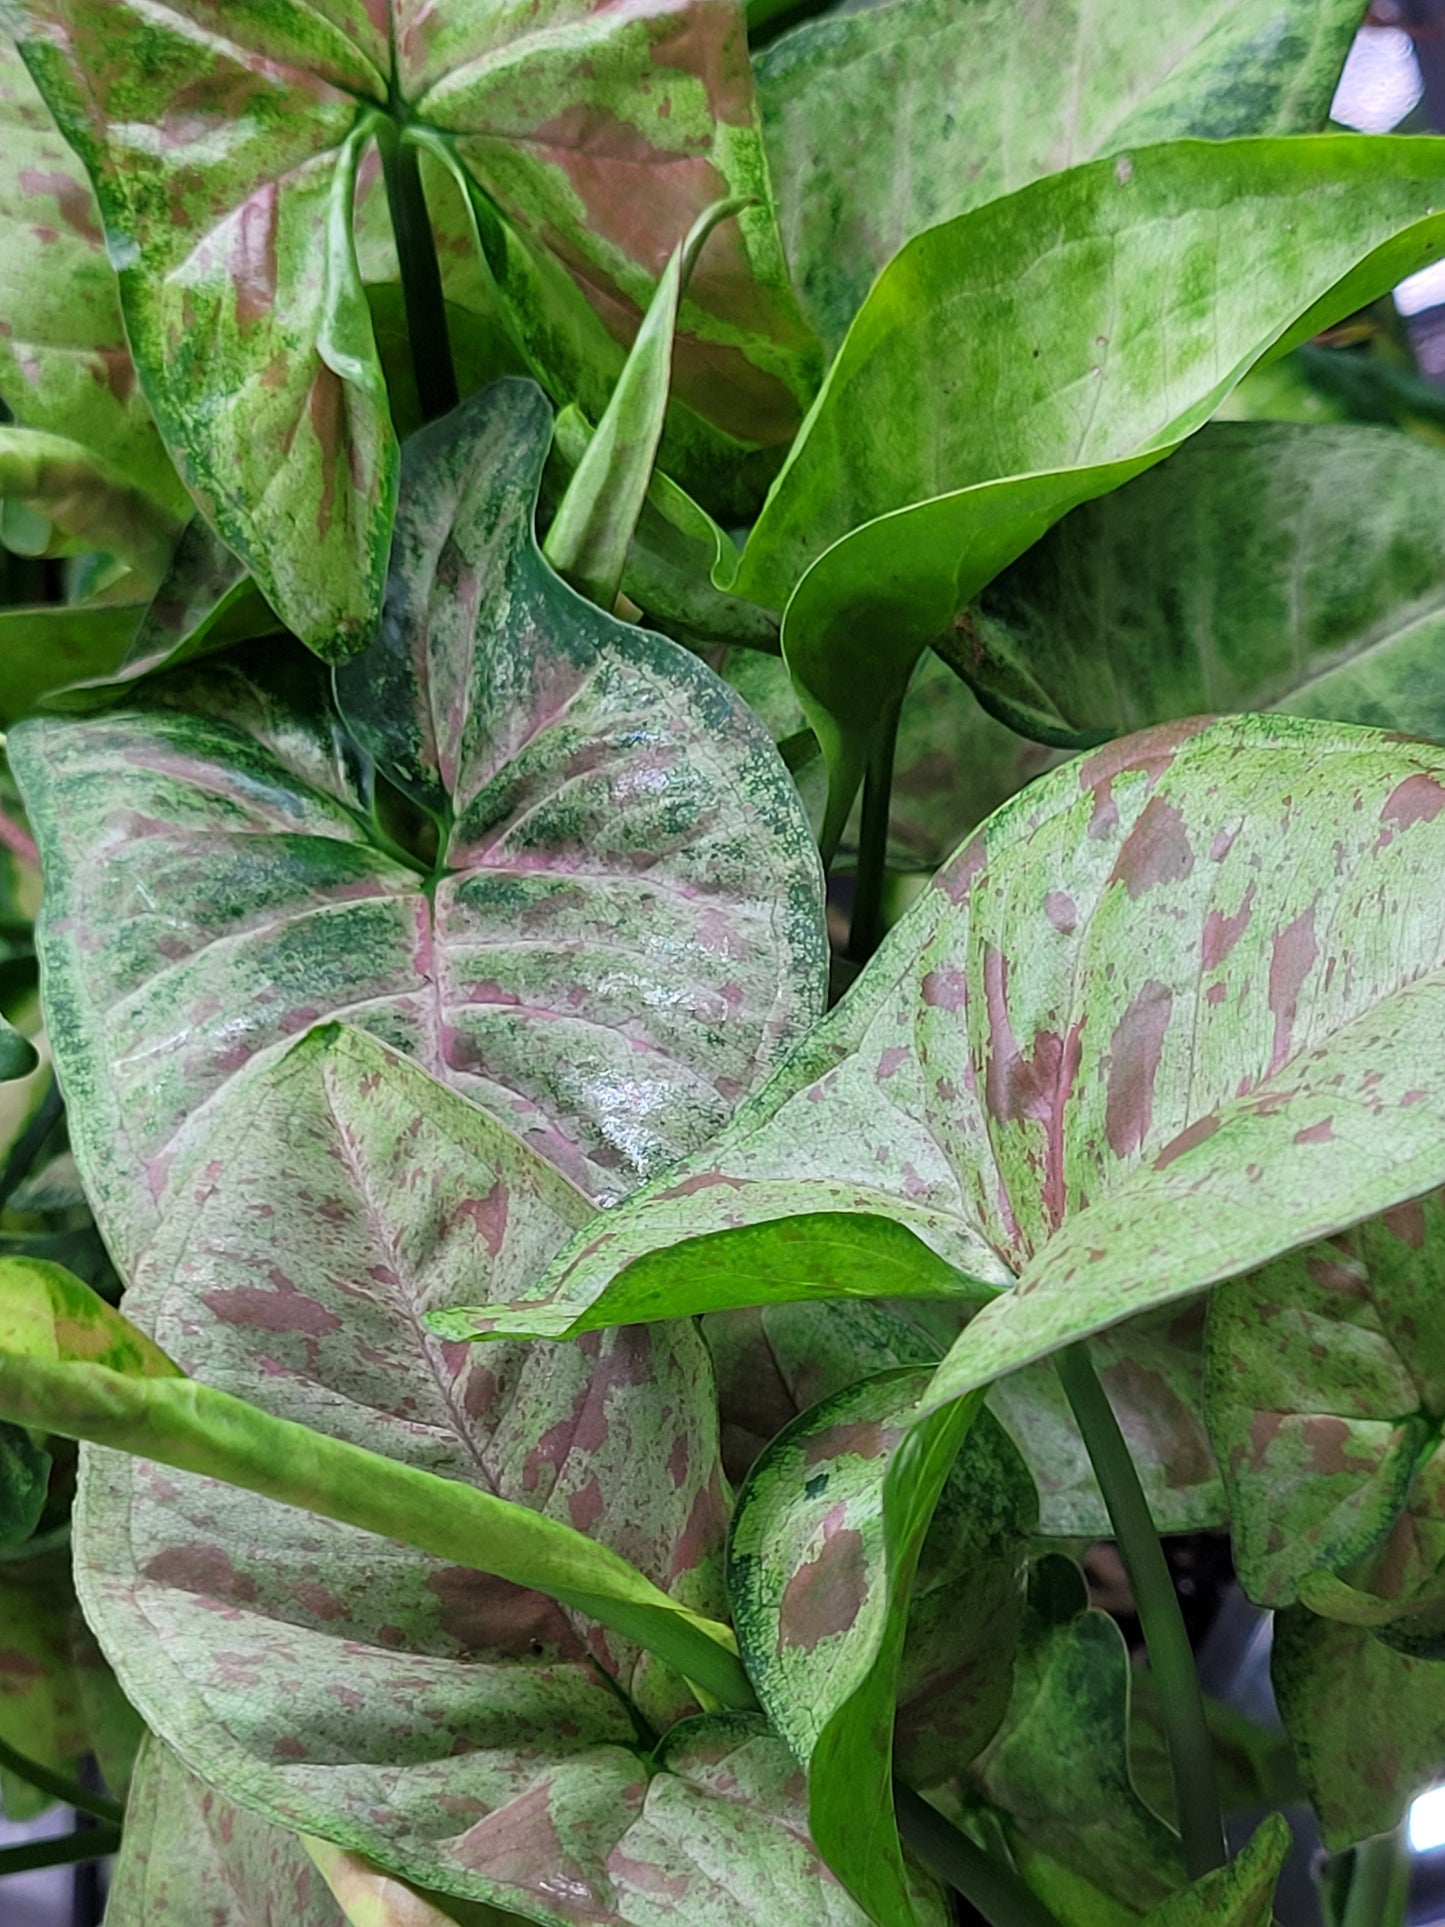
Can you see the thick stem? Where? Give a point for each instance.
(866, 931)
(992, 1889)
(1186, 1733)
(59, 1787)
(1379, 1883)
(92, 1843)
(421, 277)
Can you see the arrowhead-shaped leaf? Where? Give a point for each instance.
(1062, 382)
(394, 1704)
(604, 804)
(599, 137)
(1146, 1031)
(825, 1544)
(64, 363)
(1266, 565)
(1239, 1895)
(1326, 1386)
(963, 106)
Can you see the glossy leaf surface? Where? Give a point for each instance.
(604, 806)
(1146, 1031)
(1044, 309)
(600, 137)
(963, 106)
(1326, 1388)
(64, 363)
(1364, 1721)
(1264, 566)
(286, 1656)
(826, 1541)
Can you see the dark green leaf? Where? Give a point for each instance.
(1239, 1895)
(24, 1481)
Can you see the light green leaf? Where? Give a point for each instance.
(1326, 1386)
(963, 103)
(825, 1543)
(597, 517)
(45, 647)
(243, 295)
(1058, 1769)
(71, 1364)
(87, 500)
(1146, 1031)
(1264, 566)
(43, 1714)
(64, 363)
(1239, 1895)
(1365, 1722)
(903, 497)
(531, 727)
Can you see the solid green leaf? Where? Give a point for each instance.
(1365, 1722)
(46, 646)
(1264, 566)
(905, 494)
(825, 1544)
(243, 298)
(43, 1712)
(604, 805)
(1058, 1769)
(18, 1056)
(597, 516)
(64, 363)
(87, 500)
(1146, 1031)
(1238, 1895)
(965, 103)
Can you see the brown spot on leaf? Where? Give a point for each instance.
(1157, 849)
(1134, 1053)
(1193, 1134)
(827, 1592)
(1222, 933)
(1292, 956)
(1419, 799)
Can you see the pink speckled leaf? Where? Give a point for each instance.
(1326, 1388)
(829, 1532)
(604, 805)
(224, 145)
(64, 363)
(1150, 1028)
(457, 1730)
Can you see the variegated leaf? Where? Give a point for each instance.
(64, 363)
(595, 138)
(605, 807)
(1147, 1030)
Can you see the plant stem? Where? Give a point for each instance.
(866, 931)
(1379, 1883)
(991, 1888)
(1186, 1734)
(421, 277)
(91, 1843)
(61, 1788)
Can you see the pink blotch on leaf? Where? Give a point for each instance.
(1292, 957)
(1222, 933)
(945, 989)
(1199, 1132)
(1157, 849)
(488, 1216)
(1035, 1088)
(827, 1592)
(1134, 1053)
(1061, 911)
(1419, 799)
(1321, 1133)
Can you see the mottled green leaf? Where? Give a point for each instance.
(1264, 566)
(597, 516)
(1254, 1765)
(24, 1481)
(190, 1858)
(599, 138)
(64, 363)
(293, 1660)
(1365, 1722)
(18, 1056)
(1146, 1031)
(1058, 1769)
(825, 1544)
(42, 1711)
(964, 101)
(1239, 1895)
(87, 500)
(605, 806)
(1062, 381)
(1326, 1389)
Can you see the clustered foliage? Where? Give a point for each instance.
(577, 1430)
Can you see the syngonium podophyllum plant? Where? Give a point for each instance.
(575, 1431)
